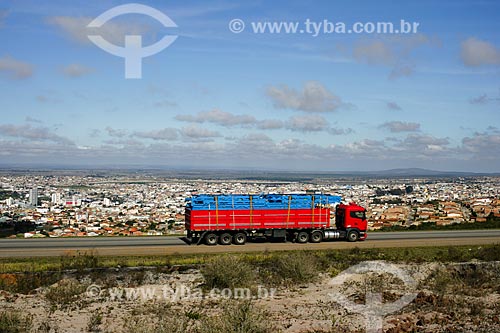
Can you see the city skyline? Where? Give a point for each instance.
(279, 101)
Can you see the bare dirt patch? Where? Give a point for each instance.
(449, 297)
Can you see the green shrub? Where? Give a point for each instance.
(156, 318)
(14, 322)
(65, 294)
(466, 279)
(47, 325)
(80, 261)
(94, 323)
(441, 281)
(26, 282)
(237, 317)
(228, 272)
(488, 253)
(290, 269)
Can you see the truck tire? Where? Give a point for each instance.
(316, 236)
(240, 238)
(211, 239)
(302, 237)
(225, 239)
(352, 236)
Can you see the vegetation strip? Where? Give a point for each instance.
(457, 281)
(90, 260)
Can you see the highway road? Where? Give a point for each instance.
(172, 245)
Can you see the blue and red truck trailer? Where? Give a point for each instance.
(301, 218)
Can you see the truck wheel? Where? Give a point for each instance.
(211, 239)
(225, 239)
(302, 237)
(316, 236)
(352, 236)
(240, 238)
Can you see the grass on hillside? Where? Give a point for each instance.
(228, 270)
(83, 260)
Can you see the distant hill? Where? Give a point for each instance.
(420, 172)
(246, 174)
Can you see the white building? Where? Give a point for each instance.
(56, 198)
(33, 199)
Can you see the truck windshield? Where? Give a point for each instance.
(358, 215)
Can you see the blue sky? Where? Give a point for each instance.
(290, 101)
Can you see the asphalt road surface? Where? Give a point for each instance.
(172, 245)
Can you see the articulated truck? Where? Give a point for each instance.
(300, 218)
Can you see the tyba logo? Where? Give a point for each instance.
(133, 52)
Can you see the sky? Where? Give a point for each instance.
(217, 97)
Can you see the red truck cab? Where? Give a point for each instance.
(351, 218)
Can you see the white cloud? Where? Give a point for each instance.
(493, 129)
(117, 133)
(189, 133)
(255, 139)
(314, 97)
(364, 147)
(269, 124)
(218, 117)
(33, 151)
(476, 52)
(15, 69)
(124, 142)
(196, 132)
(425, 145)
(483, 145)
(484, 99)
(32, 120)
(73, 27)
(394, 106)
(477, 152)
(394, 52)
(165, 104)
(167, 134)
(374, 52)
(400, 71)
(32, 133)
(399, 126)
(339, 131)
(307, 123)
(114, 32)
(76, 70)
